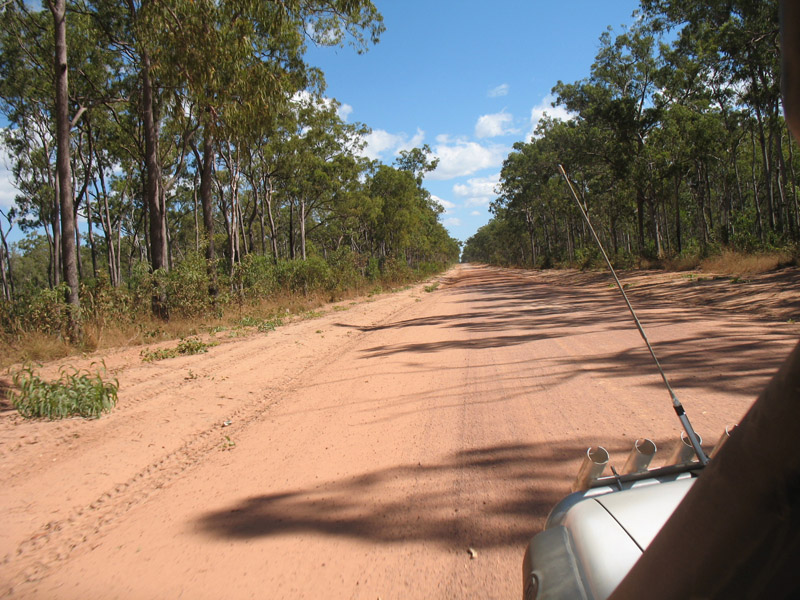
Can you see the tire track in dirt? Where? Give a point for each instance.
(57, 540)
(373, 445)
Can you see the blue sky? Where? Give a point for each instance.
(467, 77)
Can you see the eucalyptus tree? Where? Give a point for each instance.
(26, 99)
(323, 164)
(525, 172)
(40, 107)
(402, 216)
(6, 270)
(616, 100)
(242, 61)
(738, 41)
(502, 241)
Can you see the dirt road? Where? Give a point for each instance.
(364, 452)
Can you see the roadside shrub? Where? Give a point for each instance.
(345, 268)
(103, 303)
(426, 269)
(75, 393)
(187, 286)
(373, 268)
(140, 284)
(44, 311)
(588, 258)
(185, 347)
(312, 274)
(395, 270)
(257, 275)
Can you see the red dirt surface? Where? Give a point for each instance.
(400, 447)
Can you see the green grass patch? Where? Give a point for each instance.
(185, 347)
(269, 324)
(432, 287)
(74, 394)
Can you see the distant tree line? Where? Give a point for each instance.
(676, 148)
(181, 130)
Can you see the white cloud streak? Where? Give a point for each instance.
(478, 191)
(446, 204)
(500, 90)
(305, 97)
(458, 158)
(545, 107)
(495, 125)
(382, 144)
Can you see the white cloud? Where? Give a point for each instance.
(344, 111)
(378, 141)
(478, 191)
(461, 157)
(414, 142)
(381, 143)
(475, 213)
(305, 97)
(545, 107)
(500, 90)
(494, 125)
(446, 204)
(452, 222)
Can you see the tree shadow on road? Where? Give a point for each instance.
(509, 309)
(486, 497)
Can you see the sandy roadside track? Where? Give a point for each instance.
(368, 448)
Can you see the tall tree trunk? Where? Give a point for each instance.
(759, 218)
(678, 240)
(207, 202)
(55, 224)
(767, 167)
(292, 253)
(303, 228)
(272, 229)
(105, 224)
(195, 193)
(782, 179)
(78, 258)
(5, 264)
(63, 167)
(640, 219)
(152, 190)
(91, 234)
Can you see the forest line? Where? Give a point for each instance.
(196, 144)
(677, 145)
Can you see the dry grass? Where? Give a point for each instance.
(738, 264)
(687, 262)
(243, 319)
(34, 347)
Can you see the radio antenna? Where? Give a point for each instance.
(676, 404)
